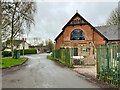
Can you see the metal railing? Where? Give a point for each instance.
(63, 55)
(108, 63)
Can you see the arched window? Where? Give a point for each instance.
(77, 35)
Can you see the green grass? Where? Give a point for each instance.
(8, 62)
(50, 57)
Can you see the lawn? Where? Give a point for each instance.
(9, 62)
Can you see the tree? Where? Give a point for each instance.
(114, 18)
(49, 44)
(17, 17)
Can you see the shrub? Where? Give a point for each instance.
(28, 51)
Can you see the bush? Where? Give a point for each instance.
(28, 51)
(6, 53)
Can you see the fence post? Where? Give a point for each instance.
(107, 47)
(97, 62)
(70, 56)
(119, 65)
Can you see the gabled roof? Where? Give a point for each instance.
(111, 32)
(77, 14)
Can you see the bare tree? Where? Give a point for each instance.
(49, 44)
(18, 16)
(114, 18)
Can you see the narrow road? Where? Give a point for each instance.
(43, 73)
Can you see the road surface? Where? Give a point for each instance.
(43, 73)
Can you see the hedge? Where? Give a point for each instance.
(26, 51)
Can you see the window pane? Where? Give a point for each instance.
(77, 35)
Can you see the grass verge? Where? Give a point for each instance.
(59, 61)
(8, 62)
(50, 57)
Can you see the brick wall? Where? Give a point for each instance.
(90, 36)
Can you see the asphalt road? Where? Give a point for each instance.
(43, 73)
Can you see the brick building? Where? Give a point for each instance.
(82, 37)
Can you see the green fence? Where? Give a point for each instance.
(108, 63)
(63, 55)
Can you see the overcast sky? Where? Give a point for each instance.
(52, 16)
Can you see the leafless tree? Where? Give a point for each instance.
(114, 18)
(16, 18)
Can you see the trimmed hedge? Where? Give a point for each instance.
(26, 51)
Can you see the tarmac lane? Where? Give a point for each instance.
(43, 73)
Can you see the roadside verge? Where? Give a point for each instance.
(9, 62)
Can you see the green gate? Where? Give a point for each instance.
(108, 63)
